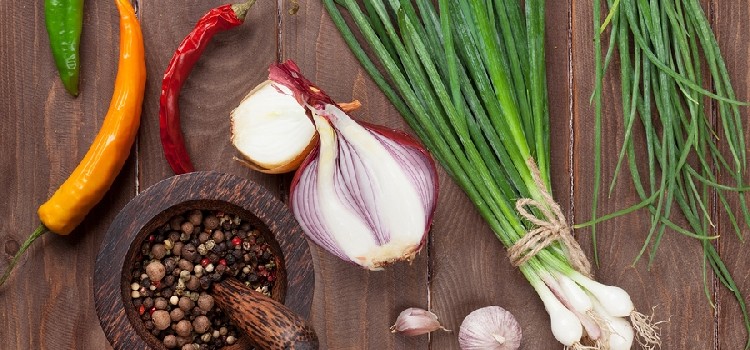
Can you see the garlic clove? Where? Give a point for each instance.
(415, 321)
(271, 130)
(490, 328)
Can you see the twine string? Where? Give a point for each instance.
(549, 228)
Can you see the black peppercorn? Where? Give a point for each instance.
(205, 282)
(230, 259)
(169, 280)
(177, 249)
(237, 254)
(185, 265)
(187, 227)
(189, 252)
(195, 217)
(218, 236)
(175, 223)
(193, 283)
(174, 236)
(233, 248)
(213, 257)
(148, 303)
(203, 237)
(169, 265)
(211, 222)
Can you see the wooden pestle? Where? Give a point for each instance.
(268, 323)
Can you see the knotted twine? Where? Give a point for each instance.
(549, 228)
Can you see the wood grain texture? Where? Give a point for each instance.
(674, 285)
(47, 302)
(269, 324)
(730, 20)
(353, 308)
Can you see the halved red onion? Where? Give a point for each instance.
(366, 193)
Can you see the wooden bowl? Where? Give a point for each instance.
(155, 206)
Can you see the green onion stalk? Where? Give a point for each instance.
(481, 109)
(667, 54)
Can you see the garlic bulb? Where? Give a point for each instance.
(366, 193)
(490, 328)
(415, 321)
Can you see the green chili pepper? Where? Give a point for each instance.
(64, 19)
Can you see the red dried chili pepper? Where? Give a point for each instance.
(219, 19)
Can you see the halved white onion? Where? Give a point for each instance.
(271, 130)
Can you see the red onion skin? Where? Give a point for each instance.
(307, 93)
(398, 136)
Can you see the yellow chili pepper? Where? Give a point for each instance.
(97, 171)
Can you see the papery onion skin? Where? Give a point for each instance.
(490, 328)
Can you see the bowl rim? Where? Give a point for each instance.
(172, 196)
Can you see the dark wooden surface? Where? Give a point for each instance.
(48, 303)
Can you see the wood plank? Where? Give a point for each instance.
(353, 308)
(674, 284)
(470, 268)
(48, 302)
(730, 20)
(233, 63)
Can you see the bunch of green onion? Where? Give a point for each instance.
(481, 109)
(663, 46)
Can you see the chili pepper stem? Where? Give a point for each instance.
(37, 233)
(240, 10)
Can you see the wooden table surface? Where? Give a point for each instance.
(48, 303)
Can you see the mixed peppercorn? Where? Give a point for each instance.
(176, 267)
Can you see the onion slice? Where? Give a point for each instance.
(366, 193)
